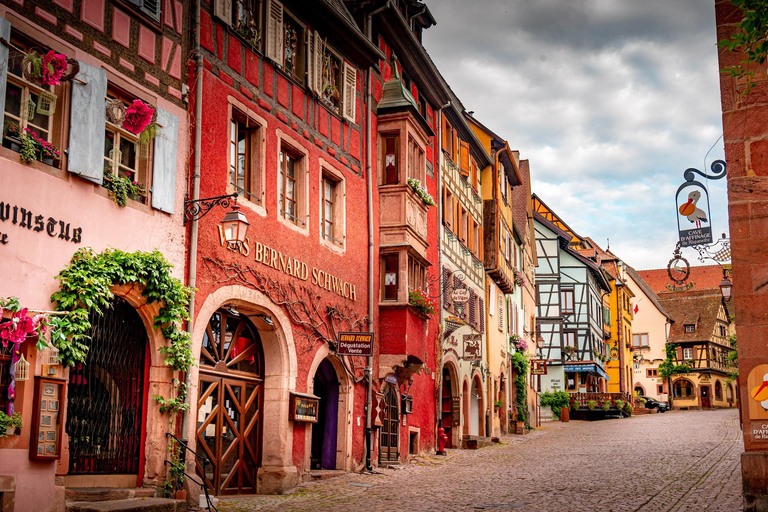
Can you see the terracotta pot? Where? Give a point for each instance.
(181, 494)
(565, 414)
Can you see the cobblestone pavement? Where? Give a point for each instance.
(672, 462)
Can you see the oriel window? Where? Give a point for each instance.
(390, 159)
(389, 270)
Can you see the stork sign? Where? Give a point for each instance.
(694, 222)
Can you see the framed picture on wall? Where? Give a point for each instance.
(46, 419)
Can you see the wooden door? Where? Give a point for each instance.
(705, 398)
(388, 438)
(229, 405)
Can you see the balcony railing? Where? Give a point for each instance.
(600, 398)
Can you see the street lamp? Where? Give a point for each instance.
(234, 224)
(726, 287)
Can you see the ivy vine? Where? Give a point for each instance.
(668, 367)
(751, 39)
(520, 364)
(85, 286)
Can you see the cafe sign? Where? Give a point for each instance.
(473, 349)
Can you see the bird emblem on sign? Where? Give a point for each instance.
(692, 199)
(693, 213)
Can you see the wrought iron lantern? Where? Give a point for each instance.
(21, 370)
(726, 287)
(407, 404)
(235, 225)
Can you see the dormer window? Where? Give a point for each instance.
(690, 328)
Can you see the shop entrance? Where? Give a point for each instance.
(705, 400)
(474, 410)
(324, 432)
(447, 407)
(230, 403)
(388, 439)
(106, 401)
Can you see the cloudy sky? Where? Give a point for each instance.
(610, 100)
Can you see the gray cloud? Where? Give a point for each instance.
(611, 100)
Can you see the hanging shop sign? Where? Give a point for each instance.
(694, 222)
(355, 344)
(460, 295)
(45, 439)
(294, 267)
(538, 367)
(473, 349)
(38, 223)
(304, 407)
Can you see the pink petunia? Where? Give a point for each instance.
(137, 117)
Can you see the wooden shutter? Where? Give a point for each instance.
(164, 165)
(222, 9)
(317, 78)
(87, 122)
(445, 133)
(349, 96)
(501, 312)
(472, 308)
(275, 31)
(151, 8)
(5, 32)
(464, 156)
(446, 288)
(311, 43)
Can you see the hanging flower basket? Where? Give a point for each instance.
(46, 103)
(49, 69)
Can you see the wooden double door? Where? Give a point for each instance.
(229, 405)
(388, 438)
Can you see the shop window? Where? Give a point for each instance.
(416, 274)
(566, 300)
(245, 172)
(391, 144)
(125, 156)
(389, 277)
(26, 103)
(682, 388)
(417, 164)
(640, 340)
(332, 223)
(291, 187)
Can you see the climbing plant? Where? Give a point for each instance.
(751, 39)
(668, 367)
(520, 364)
(85, 286)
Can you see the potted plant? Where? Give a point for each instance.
(9, 424)
(619, 404)
(606, 405)
(629, 408)
(425, 196)
(421, 302)
(591, 404)
(575, 405)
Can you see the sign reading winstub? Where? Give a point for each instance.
(355, 344)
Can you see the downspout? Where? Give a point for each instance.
(192, 272)
(369, 187)
(439, 179)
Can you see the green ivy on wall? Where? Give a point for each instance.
(520, 364)
(668, 367)
(85, 286)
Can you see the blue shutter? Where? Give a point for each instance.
(87, 122)
(164, 165)
(5, 32)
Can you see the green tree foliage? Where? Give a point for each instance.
(556, 400)
(751, 39)
(668, 367)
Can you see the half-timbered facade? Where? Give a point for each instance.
(569, 290)
(76, 173)
(701, 334)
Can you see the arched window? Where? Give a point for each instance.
(729, 393)
(682, 388)
(639, 391)
(718, 390)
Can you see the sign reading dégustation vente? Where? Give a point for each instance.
(292, 266)
(355, 344)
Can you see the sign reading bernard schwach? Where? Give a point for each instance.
(355, 344)
(282, 262)
(694, 222)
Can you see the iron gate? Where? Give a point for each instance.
(106, 395)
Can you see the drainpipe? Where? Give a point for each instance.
(439, 179)
(369, 187)
(192, 274)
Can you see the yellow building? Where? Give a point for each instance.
(502, 257)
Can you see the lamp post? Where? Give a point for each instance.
(234, 224)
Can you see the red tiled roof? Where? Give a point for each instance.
(706, 277)
(696, 308)
(521, 195)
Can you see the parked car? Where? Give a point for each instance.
(652, 403)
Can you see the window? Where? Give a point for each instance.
(149, 7)
(607, 316)
(124, 155)
(476, 237)
(390, 145)
(291, 187)
(293, 48)
(566, 300)
(448, 208)
(503, 181)
(416, 274)
(682, 388)
(449, 142)
(570, 379)
(640, 340)
(722, 330)
(690, 328)
(330, 93)
(659, 389)
(718, 390)
(389, 277)
(245, 18)
(569, 339)
(652, 373)
(245, 157)
(463, 228)
(416, 162)
(688, 353)
(25, 102)
(332, 209)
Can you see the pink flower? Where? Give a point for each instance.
(137, 117)
(54, 66)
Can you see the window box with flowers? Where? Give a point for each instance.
(421, 191)
(30, 146)
(419, 301)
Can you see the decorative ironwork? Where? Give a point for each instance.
(678, 268)
(200, 459)
(196, 209)
(696, 191)
(719, 251)
(106, 395)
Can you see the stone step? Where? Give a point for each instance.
(105, 493)
(325, 474)
(129, 505)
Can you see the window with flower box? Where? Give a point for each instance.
(125, 155)
(32, 111)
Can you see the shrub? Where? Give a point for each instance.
(591, 404)
(556, 400)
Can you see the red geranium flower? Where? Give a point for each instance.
(137, 117)
(54, 66)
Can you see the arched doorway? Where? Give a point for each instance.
(450, 406)
(325, 431)
(639, 390)
(230, 403)
(388, 438)
(476, 418)
(106, 402)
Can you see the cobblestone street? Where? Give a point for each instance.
(673, 462)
